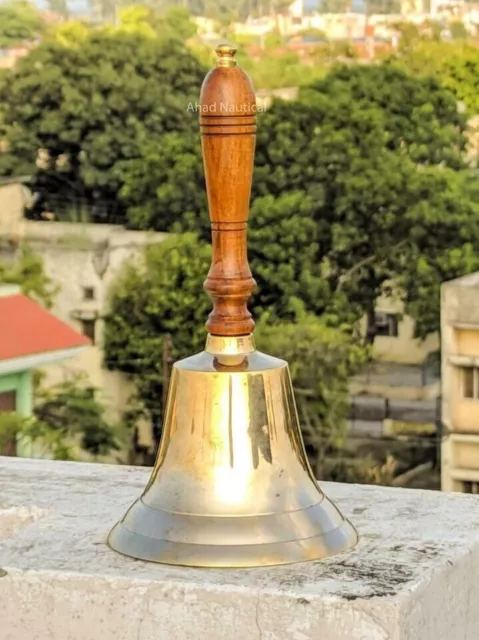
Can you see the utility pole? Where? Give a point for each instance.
(167, 361)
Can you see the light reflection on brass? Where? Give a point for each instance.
(231, 486)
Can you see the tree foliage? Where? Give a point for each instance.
(378, 156)
(67, 418)
(445, 241)
(281, 70)
(322, 360)
(354, 184)
(461, 74)
(454, 64)
(69, 415)
(163, 296)
(27, 272)
(165, 187)
(416, 115)
(12, 426)
(19, 23)
(283, 245)
(73, 111)
(143, 19)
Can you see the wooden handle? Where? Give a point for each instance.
(228, 135)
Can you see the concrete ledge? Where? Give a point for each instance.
(413, 576)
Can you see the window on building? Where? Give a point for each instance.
(387, 324)
(470, 382)
(88, 329)
(8, 401)
(88, 293)
(470, 487)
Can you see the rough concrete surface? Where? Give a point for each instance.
(413, 576)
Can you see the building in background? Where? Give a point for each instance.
(10, 57)
(259, 27)
(14, 197)
(460, 384)
(30, 338)
(82, 260)
(403, 367)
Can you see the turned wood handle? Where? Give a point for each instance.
(228, 135)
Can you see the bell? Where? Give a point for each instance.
(231, 486)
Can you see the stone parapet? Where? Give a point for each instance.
(413, 576)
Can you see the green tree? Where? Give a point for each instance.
(377, 153)
(460, 73)
(281, 70)
(343, 185)
(67, 418)
(27, 271)
(283, 247)
(12, 426)
(458, 30)
(19, 23)
(146, 20)
(164, 188)
(178, 19)
(416, 114)
(322, 361)
(409, 35)
(454, 64)
(88, 106)
(164, 296)
(445, 237)
(68, 415)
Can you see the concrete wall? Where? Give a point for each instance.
(460, 415)
(466, 342)
(13, 198)
(405, 348)
(465, 412)
(77, 258)
(412, 576)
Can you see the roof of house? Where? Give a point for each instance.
(26, 329)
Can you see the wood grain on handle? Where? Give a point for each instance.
(228, 135)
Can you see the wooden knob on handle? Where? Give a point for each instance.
(228, 135)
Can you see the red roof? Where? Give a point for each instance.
(26, 328)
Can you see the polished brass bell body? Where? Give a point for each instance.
(232, 486)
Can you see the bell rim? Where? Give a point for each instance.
(235, 556)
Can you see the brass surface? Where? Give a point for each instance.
(231, 486)
(226, 53)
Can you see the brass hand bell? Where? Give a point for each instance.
(231, 486)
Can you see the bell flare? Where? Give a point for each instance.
(231, 486)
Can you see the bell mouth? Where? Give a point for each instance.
(224, 550)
